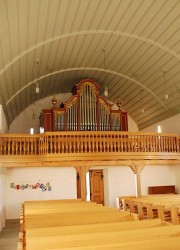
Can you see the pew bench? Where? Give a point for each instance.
(160, 244)
(66, 208)
(90, 228)
(76, 219)
(154, 206)
(123, 238)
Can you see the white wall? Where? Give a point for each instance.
(170, 125)
(3, 129)
(25, 120)
(1, 111)
(3, 123)
(2, 198)
(177, 177)
(157, 176)
(132, 126)
(62, 181)
(118, 181)
(121, 180)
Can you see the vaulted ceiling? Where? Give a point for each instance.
(132, 46)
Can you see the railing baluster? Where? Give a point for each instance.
(85, 144)
(88, 142)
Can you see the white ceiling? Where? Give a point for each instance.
(140, 38)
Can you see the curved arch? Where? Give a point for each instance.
(90, 69)
(85, 32)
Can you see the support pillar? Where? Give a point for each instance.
(82, 171)
(137, 171)
(138, 181)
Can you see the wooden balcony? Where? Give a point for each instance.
(88, 148)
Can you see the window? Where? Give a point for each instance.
(159, 129)
(41, 130)
(31, 131)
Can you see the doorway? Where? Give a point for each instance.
(96, 186)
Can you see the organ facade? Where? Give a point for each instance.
(85, 111)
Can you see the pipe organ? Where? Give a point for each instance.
(85, 111)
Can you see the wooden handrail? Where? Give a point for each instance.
(88, 142)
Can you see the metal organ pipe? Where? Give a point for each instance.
(88, 109)
(93, 112)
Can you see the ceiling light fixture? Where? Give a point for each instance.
(37, 88)
(106, 93)
(37, 75)
(142, 109)
(166, 94)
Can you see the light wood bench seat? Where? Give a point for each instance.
(105, 238)
(160, 244)
(75, 219)
(63, 209)
(102, 227)
(30, 206)
(37, 202)
(49, 203)
(152, 199)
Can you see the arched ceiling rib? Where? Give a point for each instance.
(68, 36)
(89, 69)
(90, 32)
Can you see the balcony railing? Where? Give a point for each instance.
(88, 142)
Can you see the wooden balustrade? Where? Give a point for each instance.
(88, 142)
(19, 144)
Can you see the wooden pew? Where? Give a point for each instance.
(162, 189)
(32, 205)
(61, 213)
(65, 214)
(90, 228)
(77, 219)
(154, 206)
(175, 214)
(160, 244)
(21, 237)
(123, 238)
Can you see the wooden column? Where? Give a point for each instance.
(138, 181)
(82, 171)
(137, 171)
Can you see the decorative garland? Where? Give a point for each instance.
(43, 186)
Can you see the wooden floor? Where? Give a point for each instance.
(9, 235)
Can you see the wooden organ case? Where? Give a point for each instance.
(85, 111)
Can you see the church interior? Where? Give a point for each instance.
(89, 124)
